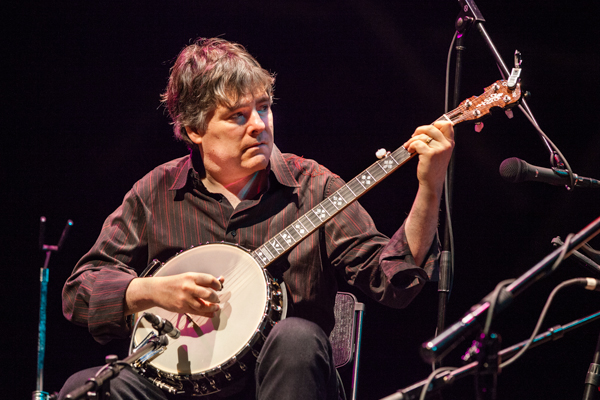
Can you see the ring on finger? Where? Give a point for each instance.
(429, 140)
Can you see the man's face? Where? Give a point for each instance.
(237, 141)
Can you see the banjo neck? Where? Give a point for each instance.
(499, 94)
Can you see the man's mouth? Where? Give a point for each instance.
(256, 145)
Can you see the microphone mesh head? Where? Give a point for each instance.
(510, 169)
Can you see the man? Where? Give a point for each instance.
(236, 186)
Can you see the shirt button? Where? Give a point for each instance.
(233, 233)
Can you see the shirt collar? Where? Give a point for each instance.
(193, 165)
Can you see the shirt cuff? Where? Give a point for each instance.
(106, 319)
(399, 264)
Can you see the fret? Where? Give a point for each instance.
(356, 188)
(346, 193)
(314, 220)
(444, 118)
(320, 212)
(401, 155)
(388, 164)
(299, 228)
(294, 233)
(275, 247)
(337, 200)
(366, 179)
(329, 207)
(260, 256)
(281, 241)
(376, 171)
(380, 164)
(303, 219)
(287, 237)
(266, 251)
(354, 195)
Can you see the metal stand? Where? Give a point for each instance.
(439, 346)
(446, 378)
(98, 387)
(39, 394)
(592, 379)
(468, 17)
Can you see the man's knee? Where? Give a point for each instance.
(76, 381)
(301, 338)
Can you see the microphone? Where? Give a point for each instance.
(516, 170)
(162, 325)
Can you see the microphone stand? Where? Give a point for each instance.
(39, 394)
(438, 347)
(592, 379)
(446, 273)
(583, 260)
(447, 378)
(98, 387)
(468, 16)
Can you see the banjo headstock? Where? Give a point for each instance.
(497, 95)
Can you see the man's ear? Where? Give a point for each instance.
(194, 135)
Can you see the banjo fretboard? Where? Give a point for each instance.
(499, 94)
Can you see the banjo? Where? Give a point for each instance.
(212, 353)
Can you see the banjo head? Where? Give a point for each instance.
(206, 344)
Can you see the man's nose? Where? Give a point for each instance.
(256, 124)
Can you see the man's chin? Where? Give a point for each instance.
(257, 163)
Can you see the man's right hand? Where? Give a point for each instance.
(191, 293)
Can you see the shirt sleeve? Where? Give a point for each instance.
(94, 294)
(381, 267)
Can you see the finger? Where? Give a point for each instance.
(428, 130)
(206, 307)
(419, 138)
(446, 128)
(417, 145)
(208, 280)
(206, 294)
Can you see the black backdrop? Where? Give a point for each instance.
(82, 123)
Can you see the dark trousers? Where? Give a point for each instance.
(296, 362)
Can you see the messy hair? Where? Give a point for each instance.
(209, 73)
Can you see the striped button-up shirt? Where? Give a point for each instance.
(170, 210)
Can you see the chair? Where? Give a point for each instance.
(346, 336)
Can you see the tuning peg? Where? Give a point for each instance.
(381, 153)
(478, 126)
(509, 114)
(518, 59)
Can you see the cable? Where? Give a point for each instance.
(447, 87)
(135, 327)
(430, 379)
(493, 301)
(563, 252)
(589, 248)
(571, 282)
(552, 147)
(446, 187)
